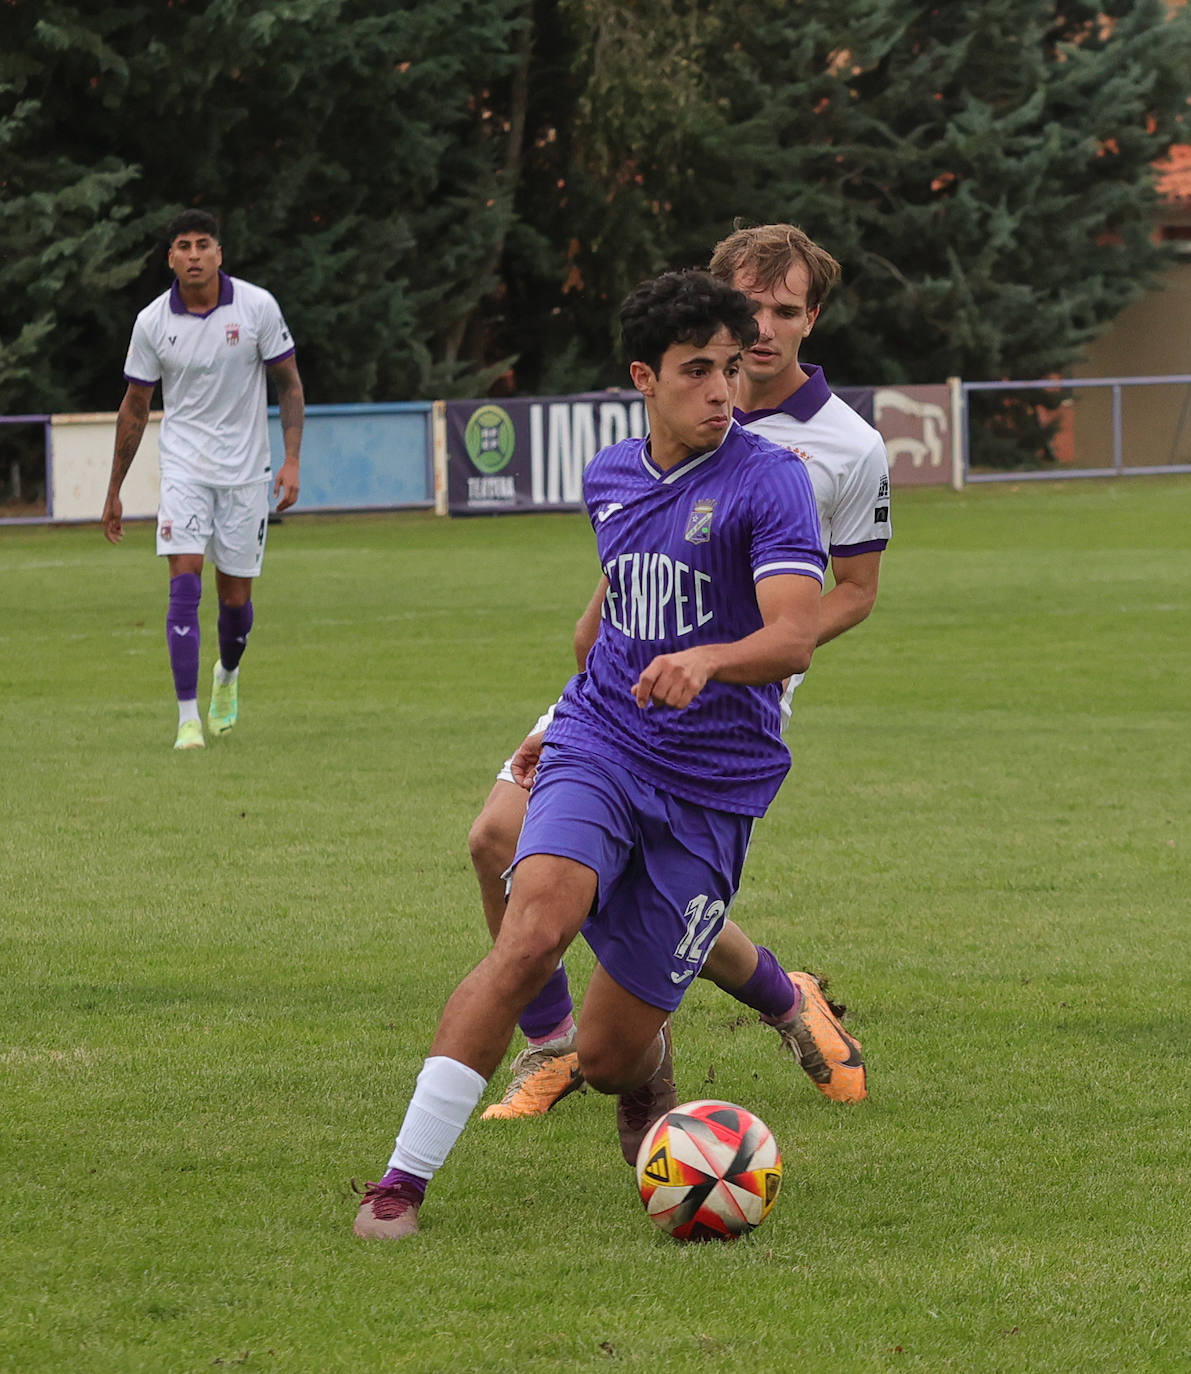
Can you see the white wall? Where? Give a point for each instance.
(81, 465)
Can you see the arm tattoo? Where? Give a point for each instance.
(130, 427)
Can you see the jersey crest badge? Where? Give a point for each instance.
(232, 333)
(698, 527)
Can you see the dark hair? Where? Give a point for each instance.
(682, 307)
(192, 222)
(764, 255)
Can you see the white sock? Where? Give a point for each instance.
(188, 710)
(445, 1096)
(223, 677)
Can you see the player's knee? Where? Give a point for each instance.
(523, 961)
(491, 843)
(604, 1069)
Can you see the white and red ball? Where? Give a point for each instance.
(708, 1171)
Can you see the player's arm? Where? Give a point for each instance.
(853, 596)
(789, 606)
(587, 627)
(131, 419)
(291, 401)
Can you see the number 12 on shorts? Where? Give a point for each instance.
(703, 922)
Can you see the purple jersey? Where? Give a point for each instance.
(682, 551)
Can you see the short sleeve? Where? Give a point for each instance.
(276, 343)
(860, 522)
(786, 534)
(142, 364)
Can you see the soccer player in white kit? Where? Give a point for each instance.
(209, 340)
(788, 276)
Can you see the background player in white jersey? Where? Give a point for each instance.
(788, 277)
(210, 340)
(662, 751)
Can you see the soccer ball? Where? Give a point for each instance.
(708, 1171)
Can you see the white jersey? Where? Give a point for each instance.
(845, 458)
(212, 373)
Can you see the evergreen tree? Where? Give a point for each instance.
(984, 172)
(356, 153)
(433, 191)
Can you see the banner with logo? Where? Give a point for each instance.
(529, 454)
(521, 454)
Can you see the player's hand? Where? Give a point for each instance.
(113, 520)
(673, 679)
(285, 487)
(524, 766)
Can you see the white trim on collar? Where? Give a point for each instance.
(696, 460)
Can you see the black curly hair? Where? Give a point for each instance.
(192, 222)
(682, 307)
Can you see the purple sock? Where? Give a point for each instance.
(234, 624)
(769, 990)
(552, 1005)
(410, 1180)
(182, 633)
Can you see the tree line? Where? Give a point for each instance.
(451, 199)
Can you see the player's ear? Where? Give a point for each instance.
(811, 317)
(644, 378)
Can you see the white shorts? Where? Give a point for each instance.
(792, 685)
(225, 524)
(506, 772)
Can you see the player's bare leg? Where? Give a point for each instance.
(492, 842)
(794, 1004)
(548, 904)
(544, 1071)
(624, 1047)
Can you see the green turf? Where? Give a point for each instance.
(220, 970)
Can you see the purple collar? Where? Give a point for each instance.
(803, 404)
(227, 293)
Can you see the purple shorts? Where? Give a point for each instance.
(667, 868)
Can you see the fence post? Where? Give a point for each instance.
(958, 427)
(438, 427)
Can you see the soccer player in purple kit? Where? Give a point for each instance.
(788, 277)
(210, 339)
(661, 753)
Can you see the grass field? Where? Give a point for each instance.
(220, 970)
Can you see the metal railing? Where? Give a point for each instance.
(1117, 468)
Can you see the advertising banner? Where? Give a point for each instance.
(528, 454)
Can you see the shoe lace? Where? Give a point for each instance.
(525, 1065)
(388, 1200)
(638, 1109)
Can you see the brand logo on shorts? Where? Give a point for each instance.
(682, 977)
(232, 333)
(167, 530)
(698, 527)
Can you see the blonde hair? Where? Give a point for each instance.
(765, 254)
